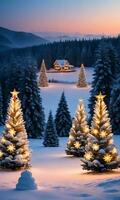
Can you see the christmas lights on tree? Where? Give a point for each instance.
(78, 133)
(14, 150)
(43, 82)
(101, 153)
(82, 78)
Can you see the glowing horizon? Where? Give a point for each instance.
(65, 16)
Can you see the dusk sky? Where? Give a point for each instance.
(83, 16)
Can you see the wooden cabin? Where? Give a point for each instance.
(62, 65)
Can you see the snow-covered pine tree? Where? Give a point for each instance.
(14, 149)
(32, 104)
(43, 82)
(115, 107)
(102, 77)
(78, 133)
(101, 153)
(1, 108)
(63, 120)
(50, 137)
(82, 77)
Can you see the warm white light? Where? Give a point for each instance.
(107, 157)
(88, 155)
(11, 148)
(103, 134)
(95, 147)
(77, 145)
(111, 141)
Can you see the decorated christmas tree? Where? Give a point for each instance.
(51, 137)
(14, 150)
(78, 133)
(43, 82)
(101, 153)
(82, 77)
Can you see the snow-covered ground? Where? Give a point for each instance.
(60, 177)
(51, 95)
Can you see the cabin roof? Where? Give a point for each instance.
(61, 62)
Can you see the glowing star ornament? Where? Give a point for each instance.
(107, 158)
(95, 131)
(95, 147)
(103, 134)
(88, 155)
(1, 154)
(11, 148)
(15, 93)
(77, 145)
(12, 132)
(100, 97)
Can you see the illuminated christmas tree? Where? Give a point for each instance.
(14, 150)
(101, 153)
(82, 78)
(43, 82)
(78, 133)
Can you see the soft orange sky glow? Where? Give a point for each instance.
(83, 16)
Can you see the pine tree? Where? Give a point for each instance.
(32, 105)
(50, 137)
(1, 108)
(115, 107)
(14, 150)
(63, 120)
(102, 77)
(78, 133)
(43, 82)
(101, 153)
(82, 77)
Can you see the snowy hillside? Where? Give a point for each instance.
(51, 95)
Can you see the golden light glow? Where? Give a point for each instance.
(114, 150)
(8, 125)
(71, 137)
(95, 131)
(15, 93)
(100, 96)
(11, 148)
(88, 155)
(86, 130)
(3, 140)
(95, 147)
(77, 145)
(103, 134)
(110, 141)
(107, 157)
(12, 132)
(1, 154)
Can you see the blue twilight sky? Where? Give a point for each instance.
(84, 16)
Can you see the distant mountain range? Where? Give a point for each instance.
(13, 39)
(56, 36)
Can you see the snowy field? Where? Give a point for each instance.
(60, 177)
(52, 94)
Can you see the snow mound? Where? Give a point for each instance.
(26, 181)
(109, 183)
